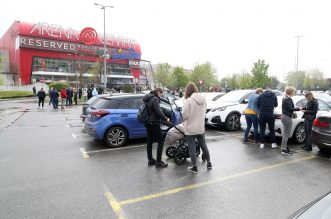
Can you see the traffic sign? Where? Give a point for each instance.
(135, 80)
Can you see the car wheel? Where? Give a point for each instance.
(116, 136)
(233, 122)
(299, 134)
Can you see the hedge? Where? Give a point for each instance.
(59, 85)
(15, 94)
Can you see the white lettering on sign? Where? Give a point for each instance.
(55, 31)
(134, 63)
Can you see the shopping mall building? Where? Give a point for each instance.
(50, 53)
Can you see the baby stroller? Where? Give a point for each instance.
(178, 148)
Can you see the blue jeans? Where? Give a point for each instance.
(251, 119)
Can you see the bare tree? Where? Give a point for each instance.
(13, 73)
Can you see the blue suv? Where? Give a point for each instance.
(114, 118)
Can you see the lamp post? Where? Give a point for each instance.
(297, 61)
(103, 7)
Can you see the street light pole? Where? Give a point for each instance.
(103, 7)
(297, 62)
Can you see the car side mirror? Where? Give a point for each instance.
(245, 101)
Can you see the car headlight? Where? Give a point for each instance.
(222, 108)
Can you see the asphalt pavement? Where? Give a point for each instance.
(50, 168)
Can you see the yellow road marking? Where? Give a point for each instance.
(115, 205)
(85, 154)
(221, 179)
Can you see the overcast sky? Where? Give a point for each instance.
(232, 35)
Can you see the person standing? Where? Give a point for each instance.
(85, 94)
(251, 115)
(94, 92)
(54, 98)
(63, 95)
(80, 93)
(89, 93)
(266, 103)
(310, 111)
(287, 115)
(155, 115)
(194, 111)
(75, 95)
(49, 95)
(69, 96)
(34, 91)
(41, 96)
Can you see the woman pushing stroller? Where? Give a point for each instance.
(194, 122)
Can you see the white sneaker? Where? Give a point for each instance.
(261, 146)
(273, 145)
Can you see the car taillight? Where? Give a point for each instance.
(100, 113)
(320, 124)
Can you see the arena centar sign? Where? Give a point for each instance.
(87, 36)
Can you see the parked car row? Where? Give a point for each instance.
(112, 118)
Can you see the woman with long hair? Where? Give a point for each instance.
(194, 111)
(310, 111)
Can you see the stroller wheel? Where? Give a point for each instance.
(171, 151)
(180, 158)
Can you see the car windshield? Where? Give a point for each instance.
(234, 96)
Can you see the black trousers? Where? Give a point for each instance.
(308, 129)
(41, 100)
(264, 119)
(154, 133)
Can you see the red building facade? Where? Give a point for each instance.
(52, 52)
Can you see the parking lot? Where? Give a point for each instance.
(50, 168)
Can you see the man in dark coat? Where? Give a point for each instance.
(54, 95)
(41, 96)
(266, 103)
(155, 115)
(69, 96)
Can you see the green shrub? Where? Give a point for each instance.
(14, 94)
(127, 89)
(59, 85)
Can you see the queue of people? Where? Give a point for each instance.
(69, 96)
(260, 112)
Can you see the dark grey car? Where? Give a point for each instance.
(321, 133)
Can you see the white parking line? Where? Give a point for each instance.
(115, 149)
(85, 154)
(74, 135)
(223, 133)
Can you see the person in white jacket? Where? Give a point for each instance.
(194, 111)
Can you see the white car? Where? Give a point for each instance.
(298, 129)
(210, 96)
(226, 111)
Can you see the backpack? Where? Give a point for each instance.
(142, 114)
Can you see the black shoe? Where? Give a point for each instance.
(245, 142)
(209, 166)
(151, 162)
(305, 148)
(286, 152)
(193, 169)
(161, 165)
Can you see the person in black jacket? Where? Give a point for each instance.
(310, 111)
(266, 103)
(287, 115)
(41, 96)
(152, 100)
